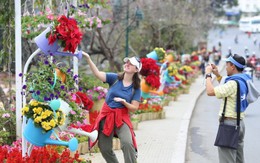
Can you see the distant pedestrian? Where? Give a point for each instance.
(236, 39)
(249, 34)
(234, 67)
(255, 40)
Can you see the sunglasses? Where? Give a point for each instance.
(138, 59)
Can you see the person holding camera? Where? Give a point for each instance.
(228, 89)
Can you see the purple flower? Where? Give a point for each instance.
(62, 87)
(80, 88)
(20, 74)
(38, 92)
(24, 86)
(75, 77)
(46, 62)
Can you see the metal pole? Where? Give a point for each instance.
(18, 66)
(127, 30)
(75, 59)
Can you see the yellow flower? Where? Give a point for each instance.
(25, 110)
(37, 110)
(46, 125)
(38, 119)
(62, 121)
(52, 123)
(46, 114)
(34, 103)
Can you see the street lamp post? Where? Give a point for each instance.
(127, 30)
(138, 16)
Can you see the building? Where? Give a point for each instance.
(249, 7)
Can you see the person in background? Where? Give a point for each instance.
(228, 89)
(123, 97)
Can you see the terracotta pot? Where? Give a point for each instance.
(170, 58)
(61, 75)
(144, 86)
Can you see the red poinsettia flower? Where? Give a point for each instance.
(67, 33)
(153, 81)
(149, 67)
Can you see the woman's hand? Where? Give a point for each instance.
(118, 99)
(85, 54)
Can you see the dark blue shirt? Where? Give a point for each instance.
(118, 90)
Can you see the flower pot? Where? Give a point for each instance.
(97, 105)
(37, 137)
(152, 55)
(144, 86)
(61, 75)
(170, 58)
(43, 43)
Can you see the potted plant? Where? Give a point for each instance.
(44, 84)
(150, 75)
(43, 116)
(160, 53)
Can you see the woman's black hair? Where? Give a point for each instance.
(136, 79)
(240, 60)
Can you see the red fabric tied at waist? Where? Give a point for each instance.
(115, 116)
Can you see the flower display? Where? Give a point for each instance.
(172, 70)
(38, 154)
(50, 81)
(43, 86)
(153, 81)
(160, 53)
(97, 93)
(149, 67)
(43, 116)
(66, 32)
(150, 71)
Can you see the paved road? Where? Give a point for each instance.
(204, 122)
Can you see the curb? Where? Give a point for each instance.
(179, 155)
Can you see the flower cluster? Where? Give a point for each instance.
(43, 116)
(50, 81)
(160, 53)
(97, 93)
(39, 154)
(77, 116)
(149, 67)
(172, 70)
(150, 71)
(66, 32)
(153, 81)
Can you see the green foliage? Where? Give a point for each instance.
(30, 25)
(7, 127)
(42, 81)
(87, 82)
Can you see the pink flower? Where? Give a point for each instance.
(6, 115)
(72, 112)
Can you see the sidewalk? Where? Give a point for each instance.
(164, 140)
